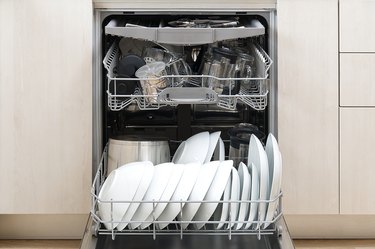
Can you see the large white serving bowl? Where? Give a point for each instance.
(205, 178)
(258, 157)
(159, 182)
(147, 175)
(275, 166)
(214, 138)
(177, 172)
(181, 194)
(254, 196)
(245, 185)
(214, 193)
(194, 149)
(120, 185)
(235, 195)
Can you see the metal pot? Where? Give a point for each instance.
(127, 149)
(239, 142)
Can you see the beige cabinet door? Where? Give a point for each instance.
(308, 105)
(45, 106)
(357, 22)
(357, 79)
(357, 160)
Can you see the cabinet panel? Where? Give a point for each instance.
(308, 105)
(357, 21)
(357, 79)
(45, 106)
(357, 157)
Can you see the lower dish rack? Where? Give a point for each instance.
(258, 227)
(192, 89)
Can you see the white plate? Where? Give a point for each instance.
(214, 193)
(139, 194)
(235, 195)
(182, 192)
(275, 165)
(224, 212)
(177, 172)
(258, 157)
(120, 185)
(194, 149)
(219, 153)
(214, 138)
(205, 178)
(159, 182)
(245, 185)
(254, 196)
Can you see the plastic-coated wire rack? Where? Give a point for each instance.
(258, 227)
(193, 89)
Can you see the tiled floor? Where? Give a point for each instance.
(300, 244)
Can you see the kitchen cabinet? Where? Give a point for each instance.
(357, 21)
(308, 105)
(357, 85)
(45, 106)
(357, 159)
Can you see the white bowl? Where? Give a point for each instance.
(214, 138)
(159, 182)
(182, 192)
(214, 193)
(205, 178)
(177, 172)
(194, 149)
(120, 185)
(148, 173)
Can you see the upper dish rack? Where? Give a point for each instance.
(159, 32)
(193, 91)
(175, 227)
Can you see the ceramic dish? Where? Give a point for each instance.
(258, 157)
(235, 195)
(214, 193)
(219, 153)
(245, 185)
(120, 185)
(159, 182)
(205, 178)
(194, 149)
(214, 138)
(275, 166)
(177, 171)
(254, 196)
(182, 192)
(224, 210)
(147, 175)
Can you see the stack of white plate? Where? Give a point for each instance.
(192, 189)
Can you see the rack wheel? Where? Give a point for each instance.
(279, 231)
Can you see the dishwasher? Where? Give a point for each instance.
(193, 100)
